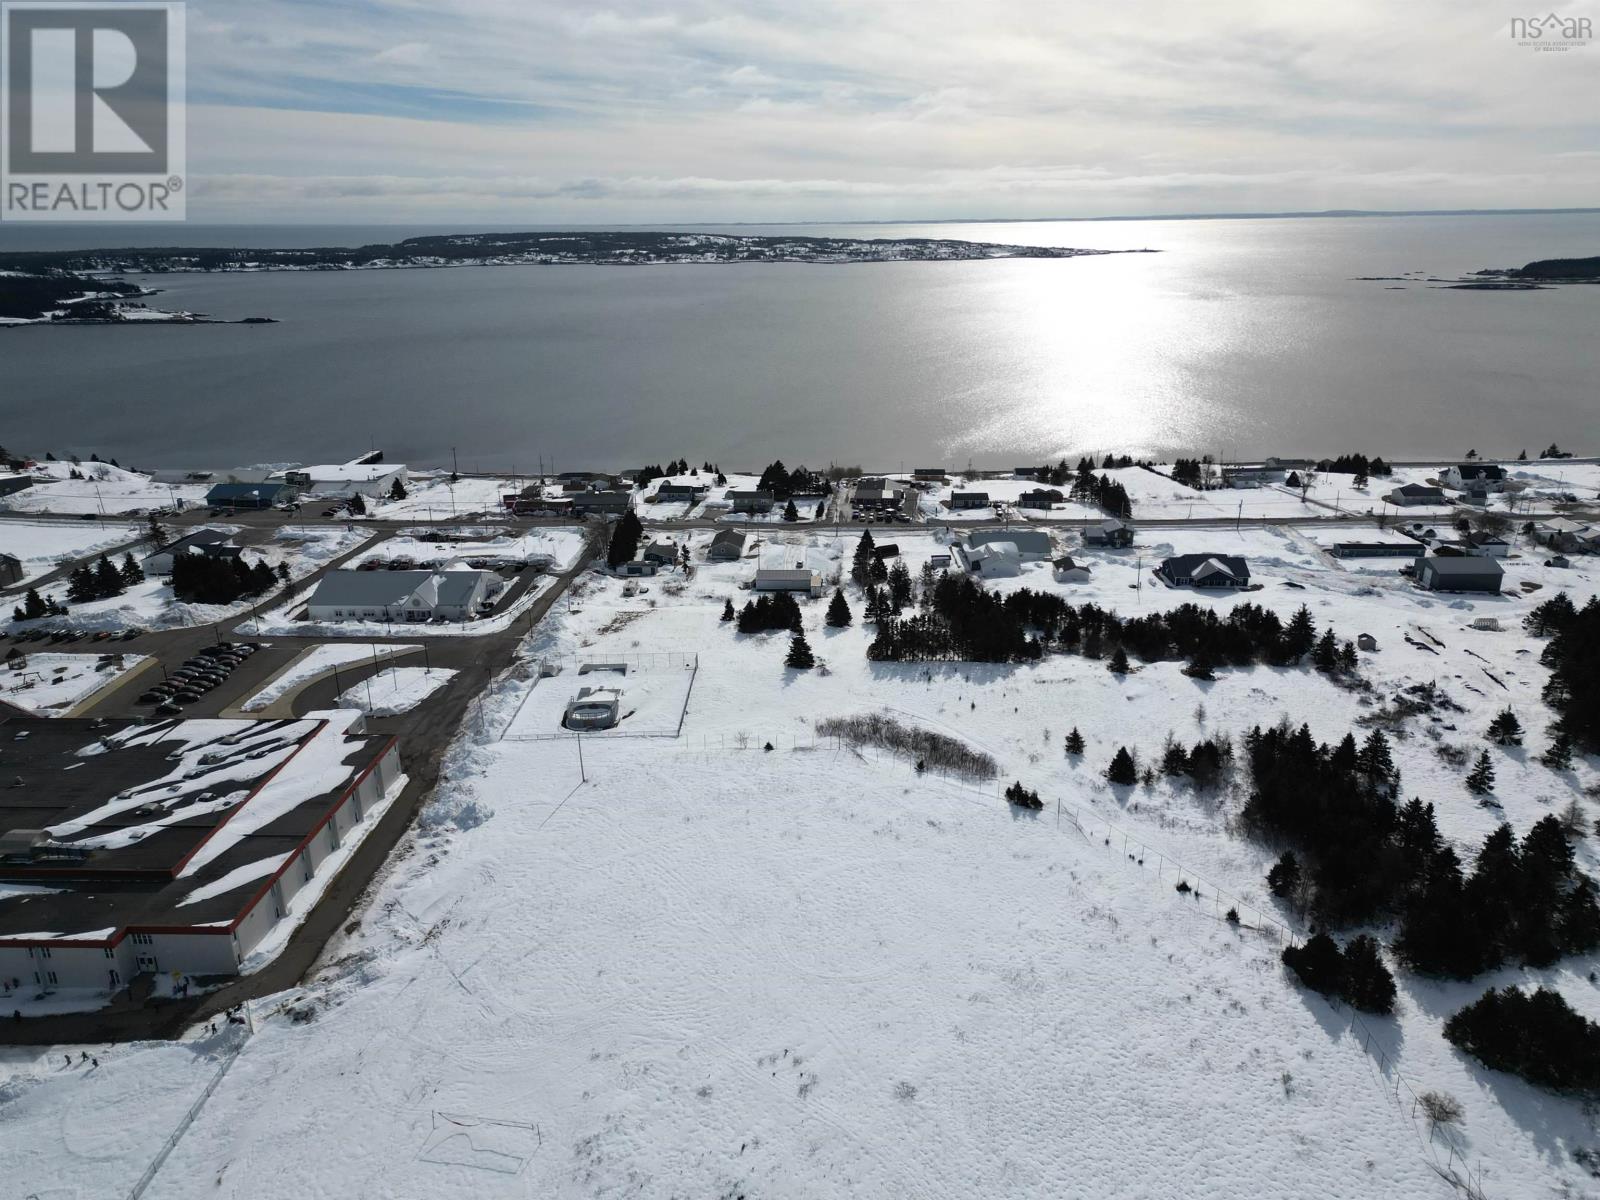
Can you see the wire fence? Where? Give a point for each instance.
(1441, 1145)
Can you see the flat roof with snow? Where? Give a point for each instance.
(139, 816)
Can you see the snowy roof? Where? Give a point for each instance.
(200, 537)
(393, 589)
(1462, 564)
(350, 472)
(1200, 566)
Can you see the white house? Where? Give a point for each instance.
(994, 560)
(453, 595)
(797, 580)
(1415, 493)
(1486, 476)
(1069, 571)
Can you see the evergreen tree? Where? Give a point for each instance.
(1481, 781)
(1122, 770)
(1368, 985)
(283, 572)
(838, 610)
(1284, 878)
(625, 535)
(800, 656)
(131, 573)
(33, 606)
(727, 610)
(358, 504)
(1559, 756)
(107, 579)
(1119, 662)
(1325, 657)
(790, 512)
(398, 491)
(861, 564)
(1299, 636)
(1075, 742)
(1318, 964)
(155, 531)
(1505, 729)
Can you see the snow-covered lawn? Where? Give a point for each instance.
(395, 690)
(430, 496)
(555, 549)
(45, 545)
(315, 661)
(49, 684)
(105, 489)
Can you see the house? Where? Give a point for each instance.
(1032, 545)
(1367, 642)
(726, 546)
(1045, 498)
(1205, 571)
(1489, 545)
(1068, 571)
(250, 495)
(10, 569)
(375, 479)
(594, 708)
(605, 504)
(680, 493)
(939, 562)
(969, 500)
(750, 501)
(1109, 533)
(401, 595)
(1463, 573)
(1463, 476)
(797, 580)
(877, 495)
(928, 474)
(1027, 472)
(1415, 493)
(993, 560)
(209, 542)
(1560, 561)
(1561, 533)
(661, 553)
(187, 886)
(10, 483)
(639, 567)
(1405, 549)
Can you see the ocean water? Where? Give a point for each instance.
(1239, 338)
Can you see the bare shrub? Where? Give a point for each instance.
(936, 751)
(1442, 1108)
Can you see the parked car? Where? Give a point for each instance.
(168, 708)
(153, 696)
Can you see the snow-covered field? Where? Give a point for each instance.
(395, 690)
(717, 970)
(50, 684)
(150, 603)
(105, 489)
(555, 549)
(316, 660)
(430, 496)
(45, 545)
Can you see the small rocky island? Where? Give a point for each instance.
(1536, 276)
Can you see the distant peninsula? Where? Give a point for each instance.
(602, 248)
(1536, 276)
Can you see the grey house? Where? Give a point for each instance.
(249, 495)
(685, 493)
(749, 501)
(1460, 573)
(1376, 549)
(400, 595)
(1109, 533)
(1415, 493)
(661, 553)
(798, 580)
(727, 546)
(10, 569)
(1045, 498)
(602, 503)
(209, 542)
(14, 483)
(969, 499)
(1205, 571)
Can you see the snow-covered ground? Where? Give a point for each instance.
(316, 660)
(555, 549)
(430, 496)
(49, 684)
(714, 503)
(713, 969)
(105, 489)
(150, 603)
(45, 545)
(395, 690)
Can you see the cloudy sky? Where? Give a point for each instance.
(756, 110)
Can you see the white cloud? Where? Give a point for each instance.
(828, 108)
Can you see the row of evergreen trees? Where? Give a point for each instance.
(1537, 1036)
(768, 612)
(1060, 474)
(1355, 974)
(103, 580)
(34, 606)
(625, 536)
(1358, 465)
(199, 579)
(1103, 492)
(1573, 658)
(783, 483)
(964, 621)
